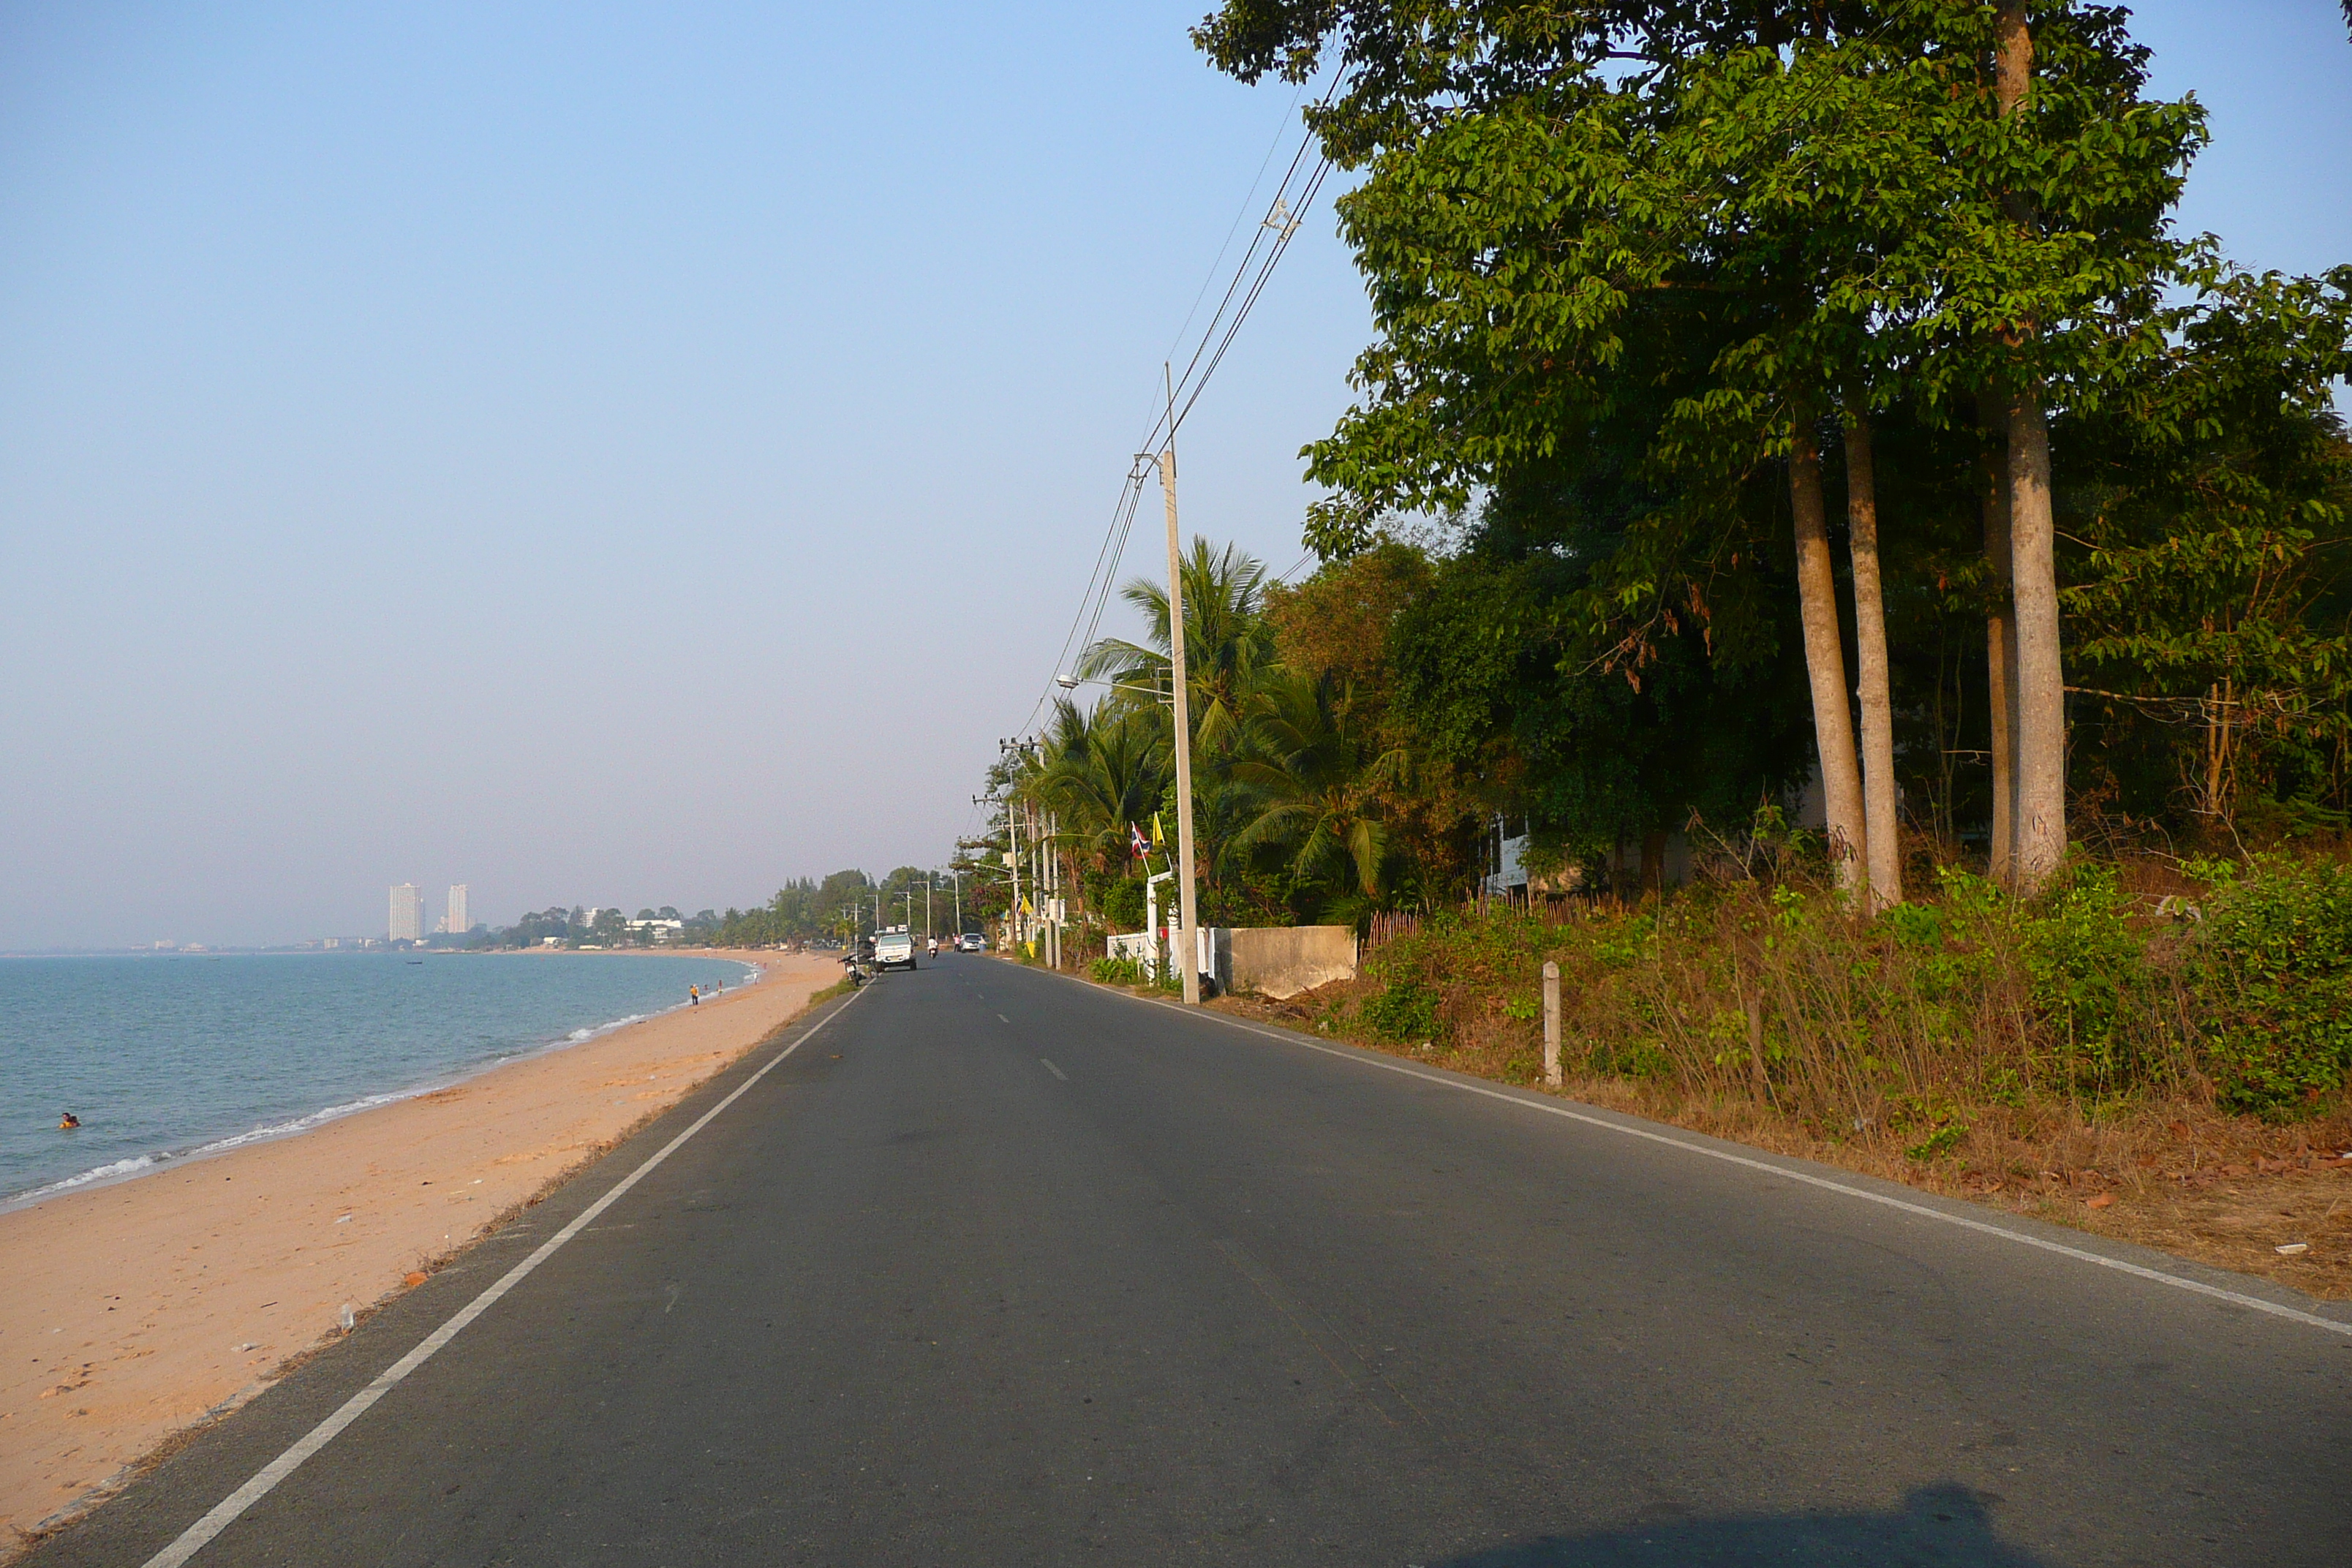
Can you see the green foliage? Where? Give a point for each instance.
(1941, 1141)
(1117, 972)
(1403, 1011)
(2211, 509)
(2276, 942)
(2088, 994)
(1614, 255)
(2087, 971)
(801, 909)
(1124, 903)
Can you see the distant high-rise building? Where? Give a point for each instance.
(407, 913)
(460, 919)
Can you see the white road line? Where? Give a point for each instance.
(1057, 1072)
(193, 1539)
(1003, 1019)
(2157, 1275)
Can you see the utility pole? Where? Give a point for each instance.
(1037, 881)
(1056, 825)
(1187, 944)
(1012, 864)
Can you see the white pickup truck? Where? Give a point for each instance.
(894, 949)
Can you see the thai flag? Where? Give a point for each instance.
(1135, 837)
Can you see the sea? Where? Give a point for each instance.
(172, 1057)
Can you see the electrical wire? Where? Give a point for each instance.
(1194, 381)
(1248, 281)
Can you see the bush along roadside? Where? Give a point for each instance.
(2144, 1030)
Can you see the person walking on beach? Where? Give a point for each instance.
(694, 996)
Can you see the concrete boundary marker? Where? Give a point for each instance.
(198, 1536)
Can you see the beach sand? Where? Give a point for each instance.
(135, 1310)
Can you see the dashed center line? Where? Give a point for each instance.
(1057, 1072)
(1003, 1019)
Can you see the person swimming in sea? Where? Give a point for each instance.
(68, 1121)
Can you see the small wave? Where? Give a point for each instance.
(304, 1124)
(577, 1035)
(106, 1172)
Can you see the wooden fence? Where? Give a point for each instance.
(1390, 924)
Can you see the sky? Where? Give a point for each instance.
(630, 455)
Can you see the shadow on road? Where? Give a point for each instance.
(1937, 1526)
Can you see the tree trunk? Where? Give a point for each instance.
(2001, 648)
(1824, 652)
(2041, 765)
(1653, 861)
(2040, 818)
(1882, 836)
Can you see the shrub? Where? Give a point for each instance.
(1117, 972)
(1741, 990)
(2087, 968)
(2275, 979)
(1403, 1011)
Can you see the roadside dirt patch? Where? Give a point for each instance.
(2176, 1176)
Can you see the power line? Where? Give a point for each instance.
(1248, 281)
(1274, 234)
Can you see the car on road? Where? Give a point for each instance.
(894, 949)
(972, 941)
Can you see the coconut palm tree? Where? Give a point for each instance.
(1228, 646)
(1100, 770)
(1316, 784)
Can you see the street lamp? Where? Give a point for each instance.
(1072, 683)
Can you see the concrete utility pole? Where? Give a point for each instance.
(1187, 944)
(1551, 1023)
(1012, 864)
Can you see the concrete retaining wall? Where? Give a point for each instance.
(1282, 961)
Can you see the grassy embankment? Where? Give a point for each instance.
(2155, 1051)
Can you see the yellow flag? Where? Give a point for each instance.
(1158, 837)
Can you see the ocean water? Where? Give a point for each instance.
(177, 1055)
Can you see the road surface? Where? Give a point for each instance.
(995, 1267)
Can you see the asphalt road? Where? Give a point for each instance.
(998, 1268)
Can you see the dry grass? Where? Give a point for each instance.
(1932, 1064)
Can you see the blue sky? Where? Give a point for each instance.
(604, 454)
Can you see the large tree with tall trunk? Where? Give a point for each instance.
(1799, 210)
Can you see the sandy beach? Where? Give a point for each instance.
(135, 1310)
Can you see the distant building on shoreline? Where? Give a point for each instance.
(460, 919)
(407, 913)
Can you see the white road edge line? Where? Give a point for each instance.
(2080, 1255)
(199, 1535)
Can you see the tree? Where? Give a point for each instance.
(1103, 770)
(2211, 507)
(1786, 213)
(1315, 780)
(1228, 647)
